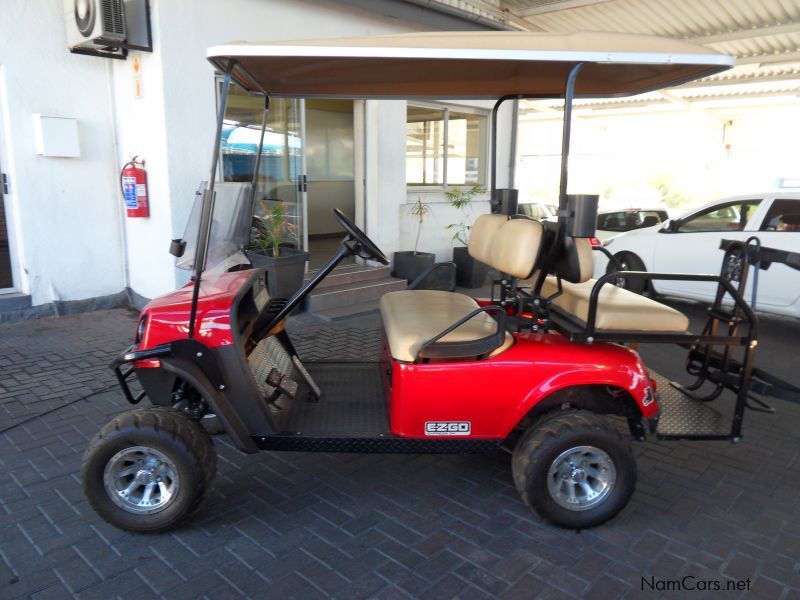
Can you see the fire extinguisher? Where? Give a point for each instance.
(133, 182)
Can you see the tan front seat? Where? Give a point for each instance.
(617, 308)
(413, 317)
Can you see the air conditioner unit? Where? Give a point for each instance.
(95, 25)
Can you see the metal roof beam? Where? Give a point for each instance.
(687, 104)
(749, 78)
(505, 14)
(746, 34)
(556, 7)
(769, 59)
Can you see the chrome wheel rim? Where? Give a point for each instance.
(581, 478)
(141, 480)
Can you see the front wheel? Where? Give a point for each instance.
(574, 469)
(148, 470)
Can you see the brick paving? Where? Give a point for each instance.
(350, 526)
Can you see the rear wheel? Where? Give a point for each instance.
(574, 469)
(629, 262)
(148, 470)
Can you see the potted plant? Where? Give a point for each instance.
(272, 245)
(408, 264)
(470, 273)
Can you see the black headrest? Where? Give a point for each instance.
(571, 261)
(650, 220)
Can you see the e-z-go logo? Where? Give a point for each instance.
(447, 428)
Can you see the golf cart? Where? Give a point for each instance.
(535, 370)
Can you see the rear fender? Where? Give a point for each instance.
(571, 386)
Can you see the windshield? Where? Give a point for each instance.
(242, 217)
(230, 226)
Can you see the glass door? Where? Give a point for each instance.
(329, 145)
(280, 180)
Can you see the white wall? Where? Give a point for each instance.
(184, 29)
(385, 133)
(64, 211)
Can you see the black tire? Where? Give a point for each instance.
(556, 435)
(188, 450)
(629, 262)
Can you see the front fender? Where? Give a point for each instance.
(216, 399)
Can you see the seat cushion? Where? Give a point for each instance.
(617, 309)
(412, 317)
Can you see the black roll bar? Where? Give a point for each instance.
(563, 204)
(204, 229)
(207, 210)
(473, 347)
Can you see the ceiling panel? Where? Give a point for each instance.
(763, 35)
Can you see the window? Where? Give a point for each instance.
(445, 146)
(627, 220)
(783, 215)
(729, 217)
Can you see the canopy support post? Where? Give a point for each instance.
(569, 95)
(204, 230)
(563, 204)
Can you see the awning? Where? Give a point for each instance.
(467, 65)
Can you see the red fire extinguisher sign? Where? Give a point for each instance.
(133, 180)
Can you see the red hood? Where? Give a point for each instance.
(168, 315)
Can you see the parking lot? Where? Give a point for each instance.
(311, 525)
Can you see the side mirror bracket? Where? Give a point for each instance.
(670, 227)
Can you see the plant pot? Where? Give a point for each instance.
(284, 273)
(470, 273)
(409, 266)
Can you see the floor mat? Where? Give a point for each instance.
(352, 402)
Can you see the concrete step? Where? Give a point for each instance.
(346, 312)
(347, 294)
(15, 301)
(349, 274)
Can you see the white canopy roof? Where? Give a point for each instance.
(467, 64)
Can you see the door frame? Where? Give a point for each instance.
(6, 202)
(360, 162)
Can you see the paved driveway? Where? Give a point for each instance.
(305, 526)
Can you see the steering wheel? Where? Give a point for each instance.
(367, 250)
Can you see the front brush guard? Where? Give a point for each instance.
(191, 350)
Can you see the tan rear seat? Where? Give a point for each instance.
(617, 309)
(412, 317)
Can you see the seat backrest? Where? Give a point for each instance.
(482, 235)
(516, 247)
